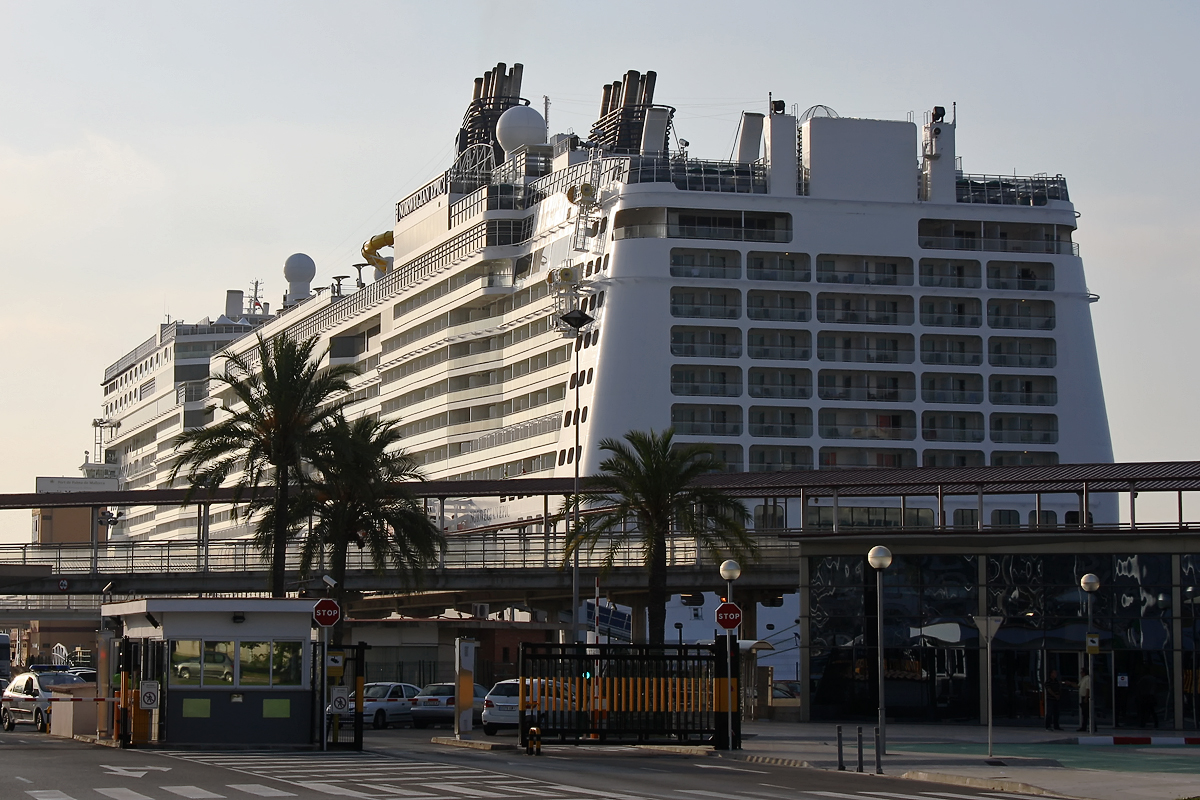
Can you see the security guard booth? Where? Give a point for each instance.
(229, 671)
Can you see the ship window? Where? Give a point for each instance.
(584, 418)
(571, 456)
(589, 376)
(562, 457)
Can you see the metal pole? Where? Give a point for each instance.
(991, 697)
(1091, 675)
(841, 763)
(860, 754)
(575, 501)
(325, 693)
(729, 658)
(878, 753)
(879, 633)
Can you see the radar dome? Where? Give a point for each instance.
(520, 126)
(299, 268)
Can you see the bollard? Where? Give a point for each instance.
(878, 754)
(841, 763)
(533, 744)
(860, 760)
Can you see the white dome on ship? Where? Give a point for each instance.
(520, 126)
(299, 268)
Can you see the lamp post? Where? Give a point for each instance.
(730, 572)
(1090, 583)
(679, 629)
(880, 558)
(576, 319)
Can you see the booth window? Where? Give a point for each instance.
(247, 663)
(218, 663)
(185, 662)
(287, 662)
(254, 664)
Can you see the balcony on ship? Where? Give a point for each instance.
(1024, 428)
(998, 237)
(781, 422)
(853, 423)
(780, 383)
(706, 303)
(867, 457)
(778, 267)
(706, 342)
(952, 458)
(864, 270)
(865, 348)
(778, 306)
(779, 344)
(706, 381)
(958, 351)
(1021, 276)
(1011, 351)
(697, 263)
(1023, 390)
(951, 387)
(1010, 190)
(879, 387)
(950, 273)
(779, 458)
(951, 312)
(857, 309)
(701, 420)
(1028, 315)
(948, 426)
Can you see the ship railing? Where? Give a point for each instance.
(998, 245)
(1011, 190)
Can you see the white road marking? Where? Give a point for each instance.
(731, 769)
(955, 796)
(191, 792)
(123, 794)
(395, 790)
(895, 796)
(724, 795)
(22, 780)
(258, 790)
(47, 794)
(459, 789)
(329, 788)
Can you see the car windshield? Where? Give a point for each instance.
(505, 690)
(438, 690)
(58, 678)
(376, 692)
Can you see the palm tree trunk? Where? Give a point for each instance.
(657, 596)
(279, 539)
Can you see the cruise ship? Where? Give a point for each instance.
(842, 293)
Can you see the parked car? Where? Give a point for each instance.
(216, 665)
(88, 674)
(500, 707)
(26, 700)
(386, 703)
(435, 703)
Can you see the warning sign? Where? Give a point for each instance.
(148, 695)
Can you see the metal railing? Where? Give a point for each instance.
(852, 317)
(780, 353)
(866, 394)
(706, 350)
(708, 428)
(1023, 398)
(951, 281)
(778, 313)
(1021, 360)
(998, 245)
(859, 278)
(705, 311)
(781, 431)
(1028, 322)
(865, 355)
(780, 391)
(1010, 190)
(702, 389)
(699, 176)
(946, 434)
(662, 230)
(951, 396)
(951, 320)
(864, 432)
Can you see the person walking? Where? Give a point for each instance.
(1053, 688)
(1085, 695)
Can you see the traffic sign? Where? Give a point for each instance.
(335, 663)
(339, 699)
(1093, 644)
(327, 612)
(729, 616)
(63, 584)
(148, 694)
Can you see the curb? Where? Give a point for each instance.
(769, 760)
(1156, 741)
(698, 750)
(993, 784)
(472, 744)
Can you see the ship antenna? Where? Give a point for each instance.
(546, 115)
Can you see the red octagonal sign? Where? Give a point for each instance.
(327, 612)
(729, 616)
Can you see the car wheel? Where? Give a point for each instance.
(185, 674)
(420, 723)
(40, 722)
(6, 719)
(379, 722)
(489, 730)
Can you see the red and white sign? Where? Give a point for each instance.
(327, 612)
(729, 616)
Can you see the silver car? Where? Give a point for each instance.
(27, 699)
(435, 704)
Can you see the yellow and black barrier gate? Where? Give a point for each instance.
(615, 692)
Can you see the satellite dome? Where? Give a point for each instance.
(520, 126)
(299, 268)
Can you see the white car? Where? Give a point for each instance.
(435, 704)
(387, 703)
(27, 699)
(500, 707)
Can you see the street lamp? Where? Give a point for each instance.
(576, 319)
(1090, 584)
(730, 572)
(679, 629)
(880, 558)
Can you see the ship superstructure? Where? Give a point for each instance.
(840, 294)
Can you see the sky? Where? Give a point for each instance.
(153, 155)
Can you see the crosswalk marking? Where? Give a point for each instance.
(895, 796)
(397, 791)
(258, 790)
(47, 794)
(191, 792)
(329, 788)
(458, 788)
(123, 794)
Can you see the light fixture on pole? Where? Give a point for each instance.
(576, 319)
(880, 558)
(1091, 584)
(679, 628)
(730, 572)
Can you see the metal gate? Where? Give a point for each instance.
(611, 692)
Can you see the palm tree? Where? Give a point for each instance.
(651, 482)
(360, 497)
(282, 402)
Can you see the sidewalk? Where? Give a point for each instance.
(1050, 762)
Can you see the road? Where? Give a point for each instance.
(403, 765)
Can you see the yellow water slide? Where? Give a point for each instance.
(371, 248)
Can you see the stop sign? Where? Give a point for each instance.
(729, 616)
(327, 612)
